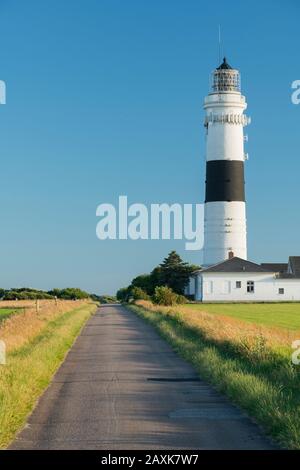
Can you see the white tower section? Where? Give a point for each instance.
(225, 211)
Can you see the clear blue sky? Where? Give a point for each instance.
(104, 97)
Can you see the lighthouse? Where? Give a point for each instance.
(225, 233)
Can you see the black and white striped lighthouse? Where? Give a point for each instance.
(225, 208)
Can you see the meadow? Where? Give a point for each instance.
(7, 312)
(248, 361)
(284, 315)
(36, 344)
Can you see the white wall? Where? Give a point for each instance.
(225, 141)
(224, 231)
(222, 287)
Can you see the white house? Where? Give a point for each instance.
(239, 280)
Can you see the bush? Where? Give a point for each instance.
(107, 299)
(21, 294)
(27, 293)
(139, 294)
(181, 299)
(164, 295)
(69, 293)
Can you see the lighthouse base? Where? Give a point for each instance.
(224, 231)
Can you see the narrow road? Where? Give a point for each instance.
(123, 387)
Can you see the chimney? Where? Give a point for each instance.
(230, 254)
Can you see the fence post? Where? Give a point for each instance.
(2, 353)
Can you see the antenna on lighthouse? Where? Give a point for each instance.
(219, 43)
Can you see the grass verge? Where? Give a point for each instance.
(29, 368)
(252, 366)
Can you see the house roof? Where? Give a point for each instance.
(275, 267)
(294, 264)
(236, 265)
(288, 276)
(239, 265)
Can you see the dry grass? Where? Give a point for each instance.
(19, 329)
(225, 328)
(20, 303)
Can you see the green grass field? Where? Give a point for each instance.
(284, 315)
(7, 312)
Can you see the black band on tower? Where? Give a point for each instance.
(225, 181)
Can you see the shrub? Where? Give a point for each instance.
(181, 299)
(107, 299)
(139, 294)
(164, 295)
(25, 295)
(69, 293)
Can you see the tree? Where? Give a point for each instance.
(144, 282)
(107, 299)
(2, 293)
(123, 294)
(69, 293)
(175, 273)
(11, 295)
(155, 279)
(24, 293)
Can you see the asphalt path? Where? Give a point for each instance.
(123, 387)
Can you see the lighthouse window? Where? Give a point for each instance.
(281, 290)
(238, 284)
(250, 287)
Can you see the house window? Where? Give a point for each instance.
(238, 284)
(208, 287)
(250, 287)
(281, 290)
(226, 287)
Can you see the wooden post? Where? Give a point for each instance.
(2, 352)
